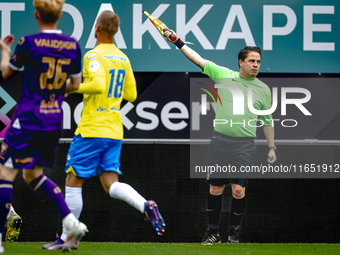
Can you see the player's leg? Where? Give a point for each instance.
(244, 153)
(13, 146)
(82, 161)
(214, 211)
(219, 154)
(7, 176)
(122, 191)
(125, 192)
(13, 225)
(109, 170)
(48, 189)
(33, 175)
(237, 208)
(74, 201)
(54, 198)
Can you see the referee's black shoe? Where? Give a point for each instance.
(232, 238)
(211, 237)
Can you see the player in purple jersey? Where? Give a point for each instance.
(49, 58)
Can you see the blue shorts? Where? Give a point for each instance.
(24, 149)
(86, 155)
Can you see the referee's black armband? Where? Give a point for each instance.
(179, 43)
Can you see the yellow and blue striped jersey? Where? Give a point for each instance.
(108, 72)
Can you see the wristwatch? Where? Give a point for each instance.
(272, 148)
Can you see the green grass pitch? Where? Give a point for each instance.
(28, 248)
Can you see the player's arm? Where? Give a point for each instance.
(192, 55)
(130, 88)
(95, 82)
(72, 84)
(5, 45)
(131, 95)
(269, 134)
(95, 86)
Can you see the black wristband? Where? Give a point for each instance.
(179, 43)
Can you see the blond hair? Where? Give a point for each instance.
(48, 10)
(108, 22)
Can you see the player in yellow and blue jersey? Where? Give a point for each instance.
(98, 139)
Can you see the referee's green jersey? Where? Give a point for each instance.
(239, 125)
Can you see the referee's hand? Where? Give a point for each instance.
(168, 33)
(271, 157)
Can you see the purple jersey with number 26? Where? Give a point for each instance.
(49, 58)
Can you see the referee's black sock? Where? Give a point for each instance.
(214, 210)
(236, 211)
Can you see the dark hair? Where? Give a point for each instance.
(243, 54)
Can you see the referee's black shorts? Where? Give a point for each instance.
(230, 153)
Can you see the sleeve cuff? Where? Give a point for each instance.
(13, 66)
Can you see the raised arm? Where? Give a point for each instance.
(192, 55)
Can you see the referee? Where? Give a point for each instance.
(233, 142)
